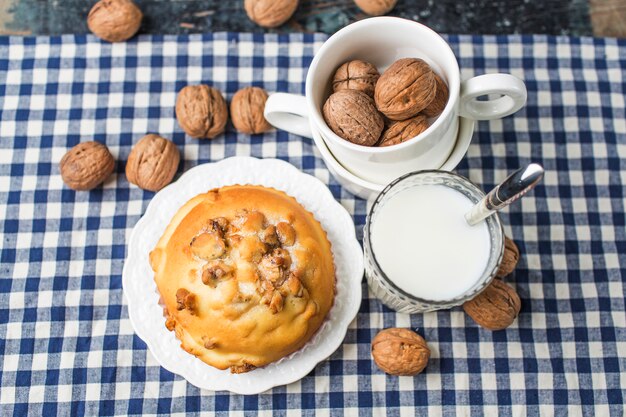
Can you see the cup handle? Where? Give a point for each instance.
(512, 89)
(288, 112)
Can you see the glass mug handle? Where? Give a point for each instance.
(288, 112)
(512, 90)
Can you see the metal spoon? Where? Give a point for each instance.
(515, 186)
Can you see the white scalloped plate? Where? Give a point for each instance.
(146, 315)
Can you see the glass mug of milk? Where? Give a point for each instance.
(420, 253)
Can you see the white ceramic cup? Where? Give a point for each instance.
(381, 41)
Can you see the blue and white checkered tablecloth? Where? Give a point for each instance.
(67, 346)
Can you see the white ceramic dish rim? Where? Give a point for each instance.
(466, 131)
(347, 252)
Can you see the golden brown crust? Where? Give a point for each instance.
(244, 294)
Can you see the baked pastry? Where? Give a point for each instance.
(246, 275)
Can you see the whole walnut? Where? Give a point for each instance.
(201, 111)
(356, 75)
(270, 13)
(152, 162)
(400, 352)
(405, 89)
(509, 258)
(246, 110)
(86, 165)
(376, 7)
(404, 130)
(114, 20)
(496, 307)
(352, 115)
(435, 108)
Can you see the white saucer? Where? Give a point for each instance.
(146, 314)
(367, 189)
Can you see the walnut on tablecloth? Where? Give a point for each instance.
(400, 352)
(86, 165)
(152, 162)
(509, 258)
(201, 111)
(246, 110)
(495, 308)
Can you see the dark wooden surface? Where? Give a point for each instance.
(567, 17)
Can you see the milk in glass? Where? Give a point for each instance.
(423, 244)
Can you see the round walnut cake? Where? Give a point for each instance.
(246, 275)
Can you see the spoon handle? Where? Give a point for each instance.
(515, 186)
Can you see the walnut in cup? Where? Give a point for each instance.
(352, 115)
(435, 108)
(404, 130)
(407, 94)
(406, 88)
(356, 75)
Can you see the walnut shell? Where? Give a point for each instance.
(400, 352)
(246, 110)
(376, 7)
(402, 131)
(496, 307)
(509, 258)
(352, 115)
(356, 75)
(270, 13)
(201, 111)
(114, 20)
(86, 165)
(436, 107)
(405, 89)
(152, 162)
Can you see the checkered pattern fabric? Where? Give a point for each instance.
(66, 344)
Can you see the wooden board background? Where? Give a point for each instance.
(557, 17)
